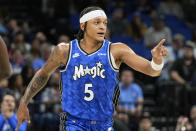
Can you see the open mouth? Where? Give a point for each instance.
(100, 34)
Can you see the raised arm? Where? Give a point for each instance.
(5, 67)
(122, 53)
(58, 57)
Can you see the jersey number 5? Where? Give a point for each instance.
(88, 91)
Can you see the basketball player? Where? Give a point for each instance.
(88, 77)
(5, 67)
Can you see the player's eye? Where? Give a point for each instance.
(96, 22)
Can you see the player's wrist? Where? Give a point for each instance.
(23, 102)
(157, 64)
(157, 60)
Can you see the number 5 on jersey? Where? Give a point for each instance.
(88, 91)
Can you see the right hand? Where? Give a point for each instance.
(22, 114)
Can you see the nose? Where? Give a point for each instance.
(102, 26)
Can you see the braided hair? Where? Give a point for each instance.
(80, 34)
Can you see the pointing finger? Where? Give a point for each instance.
(161, 43)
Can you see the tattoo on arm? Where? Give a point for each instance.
(41, 77)
(36, 84)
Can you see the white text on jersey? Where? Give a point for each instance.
(94, 71)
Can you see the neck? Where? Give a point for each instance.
(90, 45)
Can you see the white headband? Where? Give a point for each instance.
(92, 15)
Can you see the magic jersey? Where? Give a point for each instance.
(89, 83)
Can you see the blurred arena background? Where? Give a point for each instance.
(32, 28)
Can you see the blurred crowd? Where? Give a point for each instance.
(33, 29)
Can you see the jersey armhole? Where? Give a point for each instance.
(111, 59)
(64, 68)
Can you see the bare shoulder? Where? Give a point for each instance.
(62, 48)
(118, 44)
(120, 48)
(61, 51)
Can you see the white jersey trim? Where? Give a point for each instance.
(111, 60)
(70, 52)
(87, 53)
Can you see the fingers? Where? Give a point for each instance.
(164, 51)
(157, 49)
(21, 121)
(18, 125)
(161, 43)
(28, 119)
(159, 52)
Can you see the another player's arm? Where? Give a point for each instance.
(58, 57)
(5, 67)
(122, 53)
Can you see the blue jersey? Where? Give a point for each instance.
(89, 83)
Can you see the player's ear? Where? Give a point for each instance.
(82, 26)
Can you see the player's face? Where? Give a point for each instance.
(96, 28)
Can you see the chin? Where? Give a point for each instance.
(100, 40)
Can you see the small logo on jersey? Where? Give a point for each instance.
(76, 55)
(102, 54)
(94, 71)
(110, 129)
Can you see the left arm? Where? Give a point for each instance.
(123, 54)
